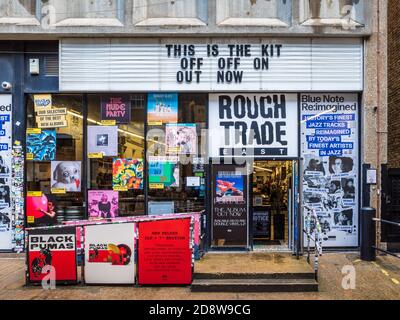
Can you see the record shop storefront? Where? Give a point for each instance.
(252, 131)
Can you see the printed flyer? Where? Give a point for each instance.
(329, 143)
(162, 108)
(41, 146)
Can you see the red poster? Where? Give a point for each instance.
(55, 248)
(165, 256)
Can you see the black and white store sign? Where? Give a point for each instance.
(247, 125)
(330, 148)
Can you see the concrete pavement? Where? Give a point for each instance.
(374, 280)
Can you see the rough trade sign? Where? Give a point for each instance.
(52, 251)
(246, 125)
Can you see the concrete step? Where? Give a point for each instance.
(254, 285)
(255, 275)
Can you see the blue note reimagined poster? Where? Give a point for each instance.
(330, 149)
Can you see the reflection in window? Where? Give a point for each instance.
(17, 8)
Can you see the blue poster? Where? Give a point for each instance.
(162, 108)
(42, 146)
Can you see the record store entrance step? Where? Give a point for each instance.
(253, 272)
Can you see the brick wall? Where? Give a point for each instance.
(394, 84)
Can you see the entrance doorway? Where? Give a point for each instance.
(273, 205)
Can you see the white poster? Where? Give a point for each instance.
(330, 148)
(6, 232)
(103, 139)
(66, 176)
(109, 254)
(259, 125)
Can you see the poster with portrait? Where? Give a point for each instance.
(162, 108)
(103, 204)
(41, 210)
(163, 174)
(181, 138)
(127, 174)
(330, 148)
(41, 146)
(66, 175)
(115, 108)
(103, 139)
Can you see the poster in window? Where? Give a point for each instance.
(41, 146)
(127, 174)
(229, 187)
(41, 210)
(66, 175)
(103, 139)
(329, 142)
(181, 138)
(109, 254)
(165, 253)
(52, 248)
(165, 174)
(162, 108)
(103, 203)
(115, 108)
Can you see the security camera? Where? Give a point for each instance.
(6, 85)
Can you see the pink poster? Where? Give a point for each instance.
(103, 203)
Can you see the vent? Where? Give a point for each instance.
(51, 67)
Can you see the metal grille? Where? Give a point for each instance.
(51, 66)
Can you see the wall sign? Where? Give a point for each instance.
(329, 142)
(55, 248)
(109, 254)
(247, 125)
(165, 253)
(6, 232)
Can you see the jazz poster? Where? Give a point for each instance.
(127, 174)
(162, 108)
(116, 108)
(52, 251)
(181, 138)
(109, 254)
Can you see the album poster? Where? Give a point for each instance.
(41, 211)
(42, 146)
(162, 108)
(116, 108)
(103, 203)
(330, 148)
(164, 173)
(229, 187)
(128, 174)
(181, 138)
(66, 175)
(103, 139)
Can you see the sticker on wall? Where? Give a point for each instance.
(103, 203)
(181, 138)
(116, 109)
(42, 101)
(41, 146)
(162, 108)
(17, 197)
(65, 175)
(103, 140)
(127, 174)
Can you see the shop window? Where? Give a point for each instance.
(122, 143)
(161, 12)
(344, 13)
(176, 142)
(87, 12)
(22, 12)
(55, 162)
(254, 13)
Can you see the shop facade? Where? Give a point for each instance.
(252, 131)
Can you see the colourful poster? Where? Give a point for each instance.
(41, 146)
(52, 251)
(109, 254)
(103, 203)
(66, 175)
(181, 138)
(162, 108)
(165, 253)
(229, 187)
(115, 108)
(164, 173)
(127, 174)
(40, 210)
